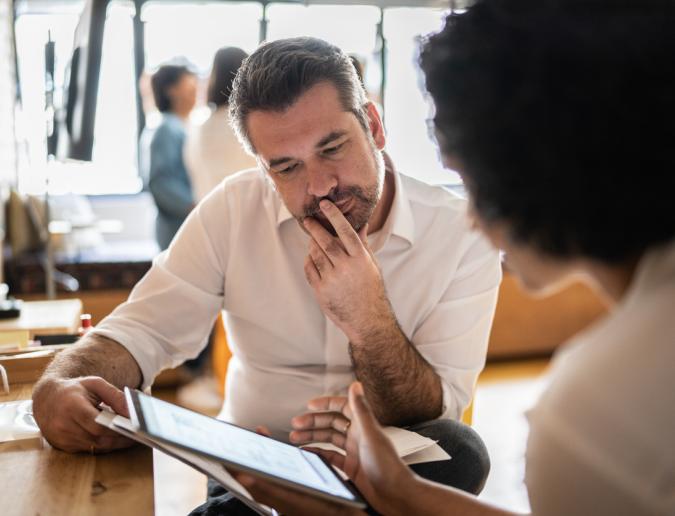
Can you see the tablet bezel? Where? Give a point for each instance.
(138, 419)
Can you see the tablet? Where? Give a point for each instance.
(239, 448)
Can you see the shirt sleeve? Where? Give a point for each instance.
(454, 337)
(168, 181)
(171, 311)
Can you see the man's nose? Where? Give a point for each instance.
(320, 181)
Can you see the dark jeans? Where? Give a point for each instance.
(467, 470)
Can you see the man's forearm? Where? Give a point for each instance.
(94, 355)
(402, 386)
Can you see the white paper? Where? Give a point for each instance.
(17, 422)
(407, 442)
(430, 454)
(412, 447)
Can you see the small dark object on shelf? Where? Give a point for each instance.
(10, 308)
(61, 338)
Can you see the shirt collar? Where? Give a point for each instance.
(282, 214)
(400, 220)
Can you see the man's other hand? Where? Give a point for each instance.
(327, 422)
(65, 410)
(345, 276)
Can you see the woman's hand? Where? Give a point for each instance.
(371, 462)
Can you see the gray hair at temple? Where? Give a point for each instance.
(275, 76)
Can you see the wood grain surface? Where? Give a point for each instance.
(40, 480)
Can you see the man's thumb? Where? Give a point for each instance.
(107, 393)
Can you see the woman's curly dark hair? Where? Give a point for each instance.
(562, 115)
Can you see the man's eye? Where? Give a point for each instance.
(288, 169)
(333, 150)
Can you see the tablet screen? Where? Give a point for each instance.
(239, 446)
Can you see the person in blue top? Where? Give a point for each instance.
(174, 88)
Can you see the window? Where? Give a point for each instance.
(195, 30)
(352, 28)
(113, 168)
(406, 106)
(32, 32)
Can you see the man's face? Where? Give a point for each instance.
(315, 150)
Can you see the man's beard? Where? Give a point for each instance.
(364, 201)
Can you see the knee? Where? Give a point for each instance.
(459, 437)
(469, 455)
(473, 447)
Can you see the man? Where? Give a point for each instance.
(329, 266)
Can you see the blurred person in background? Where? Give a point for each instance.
(174, 87)
(212, 150)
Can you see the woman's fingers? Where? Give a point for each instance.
(361, 412)
(263, 430)
(334, 458)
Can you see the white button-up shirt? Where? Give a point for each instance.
(241, 251)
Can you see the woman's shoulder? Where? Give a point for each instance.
(607, 414)
(629, 354)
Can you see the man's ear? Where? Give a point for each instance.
(376, 126)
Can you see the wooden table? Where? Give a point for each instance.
(42, 480)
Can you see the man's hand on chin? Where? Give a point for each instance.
(345, 276)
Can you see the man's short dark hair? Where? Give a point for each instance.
(562, 116)
(226, 62)
(279, 72)
(163, 79)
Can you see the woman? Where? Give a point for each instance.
(560, 117)
(212, 151)
(174, 88)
